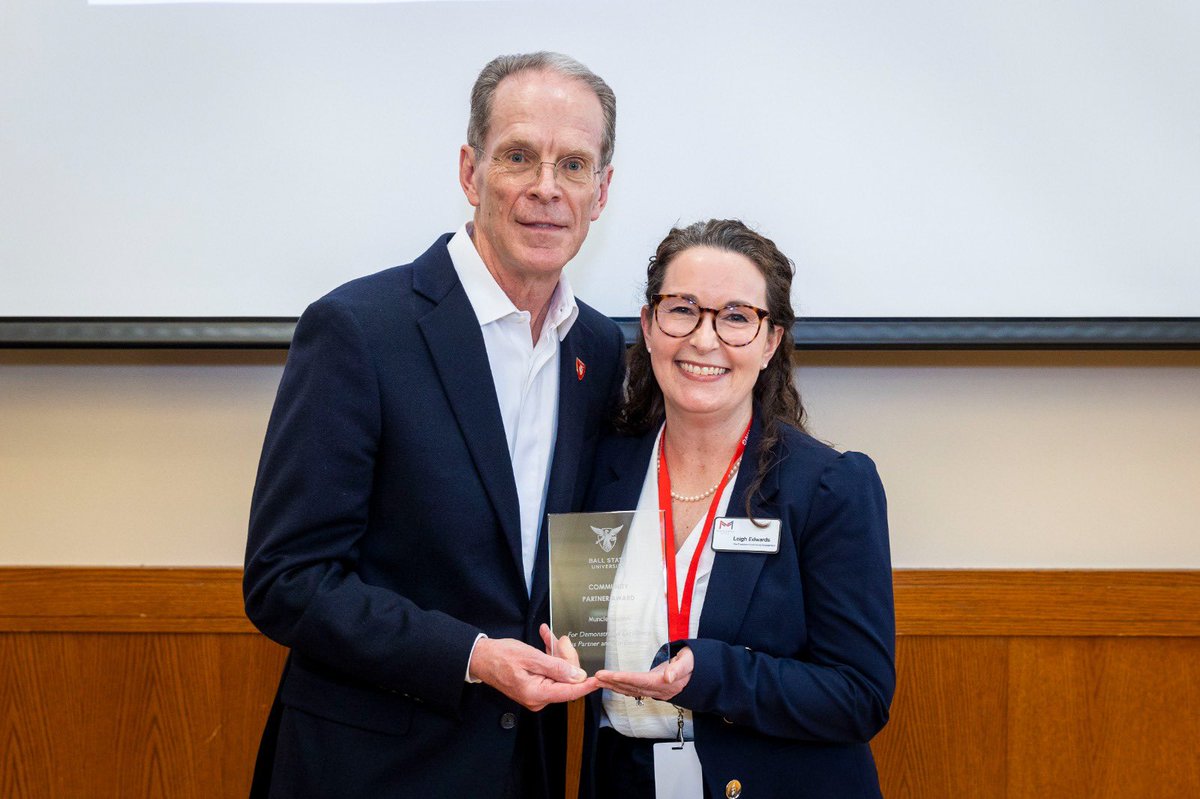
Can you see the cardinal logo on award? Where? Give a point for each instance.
(606, 537)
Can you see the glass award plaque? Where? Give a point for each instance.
(586, 550)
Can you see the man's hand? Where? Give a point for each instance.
(562, 649)
(527, 676)
(663, 682)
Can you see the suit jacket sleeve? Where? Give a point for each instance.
(839, 688)
(310, 509)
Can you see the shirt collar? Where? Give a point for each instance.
(489, 300)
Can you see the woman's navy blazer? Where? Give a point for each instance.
(794, 660)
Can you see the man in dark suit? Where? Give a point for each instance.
(428, 418)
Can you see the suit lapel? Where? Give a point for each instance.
(451, 331)
(568, 443)
(734, 574)
(572, 412)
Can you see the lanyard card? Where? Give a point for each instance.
(743, 535)
(677, 772)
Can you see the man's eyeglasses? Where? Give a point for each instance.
(679, 316)
(521, 164)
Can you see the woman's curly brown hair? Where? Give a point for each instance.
(775, 396)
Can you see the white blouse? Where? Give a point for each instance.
(637, 611)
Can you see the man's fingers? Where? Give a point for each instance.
(566, 692)
(567, 672)
(547, 638)
(527, 675)
(566, 651)
(560, 648)
(549, 692)
(539, 665)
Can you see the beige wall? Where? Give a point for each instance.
(1023, 460)
(1003, 460)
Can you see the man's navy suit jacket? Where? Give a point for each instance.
(794, 658)
(385, 534)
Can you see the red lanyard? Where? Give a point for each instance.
(679, 611)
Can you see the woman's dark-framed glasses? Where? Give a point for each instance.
(678, 316)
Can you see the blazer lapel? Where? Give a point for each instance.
(572, 411)
(451, 331)
(621, 487)
(568, 443)
(734, 574)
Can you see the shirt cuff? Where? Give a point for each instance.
(469, 678)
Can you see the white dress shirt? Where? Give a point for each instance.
(526, 378)
(641, 605)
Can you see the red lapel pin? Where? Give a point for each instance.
(580, 368)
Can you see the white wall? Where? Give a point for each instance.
(1005, 460)
(924, 158)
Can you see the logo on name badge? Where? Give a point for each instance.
(724, 524)
(606, 537)
(580, 371)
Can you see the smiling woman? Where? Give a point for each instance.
(700, 370)
(770, 650)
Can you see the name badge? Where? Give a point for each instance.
(743, 535)
(677, 772)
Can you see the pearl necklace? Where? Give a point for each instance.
(697, 497)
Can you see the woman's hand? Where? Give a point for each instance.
(662, 682)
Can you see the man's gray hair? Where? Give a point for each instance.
(501, 67)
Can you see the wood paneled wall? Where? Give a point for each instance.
(1045, 685)
(1013, 685)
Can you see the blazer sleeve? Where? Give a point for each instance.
(310, 508)
(839, 688)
